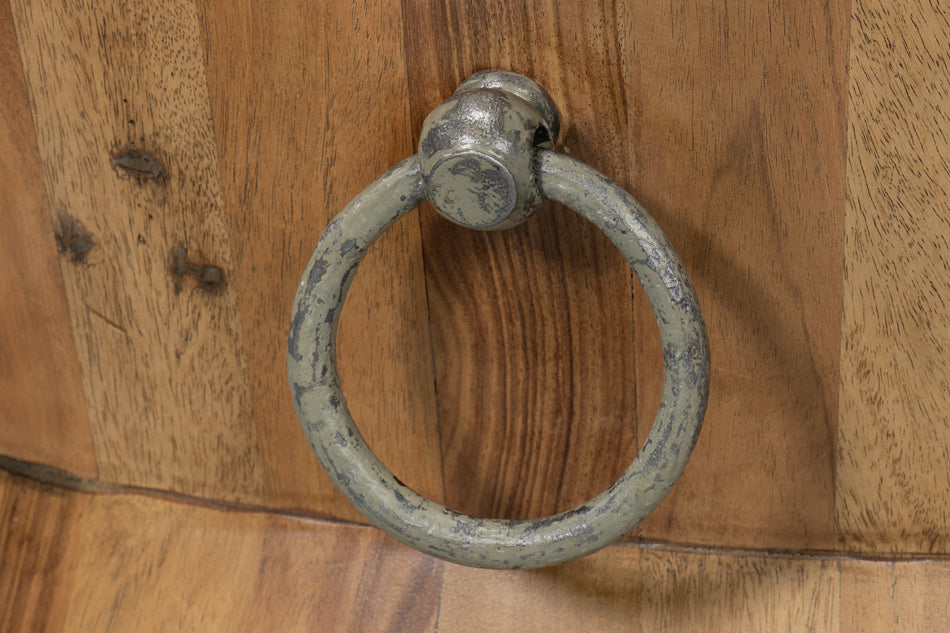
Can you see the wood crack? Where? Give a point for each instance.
(109, 321)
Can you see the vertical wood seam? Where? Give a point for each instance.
(837, 537)
(422, 253)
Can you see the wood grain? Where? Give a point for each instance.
(159, 341)
(33, 521)
(40, 380)
(102, 562)
(893, 467)
(739, 153)
(737, 129)
(889, 597)
(632, 590)
(82, 561)
(310, 107)
(532, 328)
(814, 228)
(629, 589)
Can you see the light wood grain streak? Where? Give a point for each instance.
(893, 473)
(40, 382)
(162, 360)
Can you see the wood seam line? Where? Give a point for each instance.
(414, 141)
(61, 479)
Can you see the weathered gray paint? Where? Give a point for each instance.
(476, 150)
(428, 526)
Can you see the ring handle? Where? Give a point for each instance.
(485, 161)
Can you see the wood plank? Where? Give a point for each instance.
(40, 384)
(532, 328)
(737, 128)
(895, 597)
(353, 579)
(34, 519)
(120, 103)
(116, 561)
(95, 562)
(729, 124)
(310, 107)
(893, 469)
(632, 590)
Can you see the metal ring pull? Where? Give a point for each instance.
(485, 162)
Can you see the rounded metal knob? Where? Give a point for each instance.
(485, 161)
(476, 150)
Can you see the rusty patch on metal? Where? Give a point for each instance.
(73, 240)
(195, 273)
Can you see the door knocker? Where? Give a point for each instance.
(485, 161)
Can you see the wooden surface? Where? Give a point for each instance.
(114, 561)
(545, 308)
(550, 308)
(161, 358)
(885, 597)
(166, 168)
(288, 166)
(40, 379)
(77, 561)
(893, 473)
(740, 155)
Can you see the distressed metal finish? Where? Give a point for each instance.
(476, 150)
(433, 528)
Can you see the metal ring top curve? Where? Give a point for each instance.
(431, 527)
